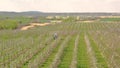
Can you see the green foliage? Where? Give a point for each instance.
(67, 55)
(22, 49)
(13, 23)
(70, 19)
(101, 61)
(8, 24)
(110, 19)
(49, 60)
(83, 60)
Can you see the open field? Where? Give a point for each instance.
(79, 45)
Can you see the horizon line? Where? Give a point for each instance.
(57, 12)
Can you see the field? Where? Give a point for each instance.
(79, 45)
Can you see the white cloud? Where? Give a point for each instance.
(61, 5)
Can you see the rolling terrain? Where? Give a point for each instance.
(79, 45)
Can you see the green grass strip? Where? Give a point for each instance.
(101, 61)
(67, 54)
(50, 58)
(83, 58)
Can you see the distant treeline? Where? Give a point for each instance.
(36, 13)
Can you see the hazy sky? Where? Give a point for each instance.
(61, 5)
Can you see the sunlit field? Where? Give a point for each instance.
(80, 43)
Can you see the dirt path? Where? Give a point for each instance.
(31, 25)
(74, 60)
(88, 21)
(90, 52)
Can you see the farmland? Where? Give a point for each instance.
(79, 44)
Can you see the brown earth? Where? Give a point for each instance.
(31, 25)
(87, 21)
